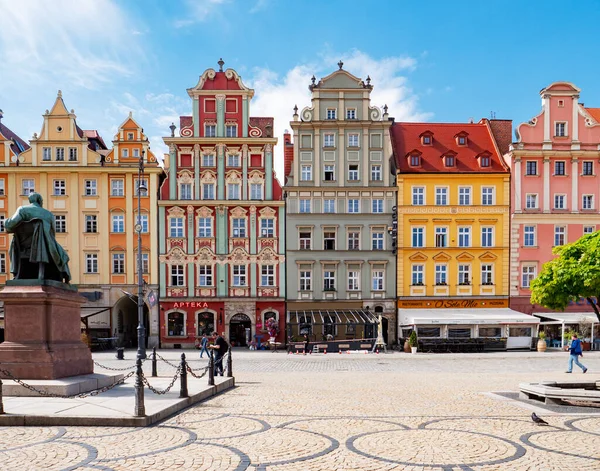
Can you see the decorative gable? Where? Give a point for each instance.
(487, 257)
(465, 257)
(442, 257)
(418, 257)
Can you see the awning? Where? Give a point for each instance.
(464, 316)
(566, 317)
(326, 316)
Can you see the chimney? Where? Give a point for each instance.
(502, 132)
(288, 153)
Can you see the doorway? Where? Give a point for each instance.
(237, 330)
(125, 311)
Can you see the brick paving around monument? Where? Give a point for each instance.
(341, 412)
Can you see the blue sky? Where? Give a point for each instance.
(434, 60)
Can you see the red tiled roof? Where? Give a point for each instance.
(262, 124)
(18, 145)
(594, 113)
(406, 140)
(96, 141)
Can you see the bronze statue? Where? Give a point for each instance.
(34, 252)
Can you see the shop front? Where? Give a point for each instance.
(558, 325)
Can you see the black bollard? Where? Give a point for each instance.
(140, 408)
(120, 353)
(1, 403)
(183, 389)
(154, 372)
(211, 369)
(229, 371)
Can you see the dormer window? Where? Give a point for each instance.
(415, 160)
(426, 138)
(485, 160)
(449, 160)
(461, 138)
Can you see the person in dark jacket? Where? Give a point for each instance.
(220, 348)
(203, 345)
(306, 344)
(575, 352)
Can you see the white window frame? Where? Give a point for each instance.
(529, 235)
(177, 277)
(485, 269)
(186, 191)
(417, 237)
(306, 173)
(353, 173)
(377, 279)
(238, 228)
(60, 223)
(117, 187)
(487, 232)
(46, 154)
(528, 274)
(205, 227)
(329, 204)
(231, 130)
(60, 188)
(208, 191)
(331, 113)
(233, 191)
(90, 187)
(418, 196)
(304, 243)
(377, 205)
(267, 275)
(488, 195)
(441, 236)
(353, 206)
(208, 160)
(560, 201)
(28, 186)
(304, 278)
(465, 236)
(210, 130)
(464, 274)
(441, 274)
(118, 263)
(90, 222)
(72, 154)
(353, 280)
(589, 229)
(587, 201)
(233, 160)
(558, 232)
(353, 140)
(535, 164)
(441, 196)
(376, 173)
(350, 113)
(534, 198)
(377, 240)
(239, 276)
(91, 263)
(304, 206)
(117, 224)
(267, 227)
(464, 196)
(563, 127)
(60, 154)
(329, 140)
(205, 275)
(417, 274)
(177, 227)
(329, 170)
(256, 191)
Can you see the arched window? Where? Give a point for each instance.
(206, 323)
(176, 324)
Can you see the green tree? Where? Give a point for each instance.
(573, 274)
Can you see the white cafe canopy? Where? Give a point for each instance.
(566, 317)
(464, 316)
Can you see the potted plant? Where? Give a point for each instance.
(585, 328)
(407, 345)
(541, 345)
(413, 342)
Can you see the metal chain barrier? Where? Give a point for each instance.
(191, 371)
(93, 392)
(116, 369)
(164, 391)
(172, 365)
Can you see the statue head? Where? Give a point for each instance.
(36, 198)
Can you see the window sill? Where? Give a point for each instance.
(587, 175)
(529, 247)
(527, 175)
(329, 148)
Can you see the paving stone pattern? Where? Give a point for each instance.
(339, 412)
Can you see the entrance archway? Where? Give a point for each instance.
(237, 329)
(125, 313)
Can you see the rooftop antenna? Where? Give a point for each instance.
(492, 115)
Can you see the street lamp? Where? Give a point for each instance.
(141, 330)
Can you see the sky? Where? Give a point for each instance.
(428, 61)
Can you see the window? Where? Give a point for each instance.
(464, 274)
(464, 237)
(205, 227)
(305, 280)
(328, 140)
(376, 173)
(28, 187)
(441, 237)
(559, 201)
(118, 263)
(137, 189)
(441, 272)
(528, 274)
(449, 161)
(329, 173)
(487, 195)
(2, 223)
(353, 280)
(418, 196)
(233, 160)
(142, 220)
(377, 240)
(531, 201)
(90, 188)
(205, 275)
(118, 223)
(441, 196)
(256, 191)
(329, 206)
(377, 277)
(305, 238)
(60, 223)
(352, 140)
(305, 206)
(462, 140)
(353, 206)
(60, 187)
(329, 279)
(91, 223)
(231, 130)
(529, 236)
(233, 191)
(124, 152)
(487, 236)
(589, 229)
(459, 332)
(176, 324)
(588, 168)
(487, 274)
(2, 190)
(519, 331)
(353, 240)
(485, 161)
(210, 130)
(429, 332)
(60, 154)
(208, 160)
(377, 206)
(145, 263)
(239, 227)
(415, 160)
(559, 167)
(559, 235)
(353, 173)
(117, 187)
(208, 191)
(91, 263)
(531, 167)
(464, 196)
(417, 275)
(176, 227)
(329, 240)
(417, 236)
(331, 113)
(267, 275)
(47, 153)
(185, 191)
(130, 136)
(2, 263)
(560, 129)
(426, 140)
(239, 275)
(72, 154)
(588, 202)
(177, 277)
(267, 227)
(351, 113)
(306, 174)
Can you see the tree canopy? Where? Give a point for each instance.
(573, 274)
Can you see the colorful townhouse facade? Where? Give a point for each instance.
(340, 197)
(91, 191)
(555, 162)
(221, 220)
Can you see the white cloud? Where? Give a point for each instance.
(259, 5)
(198, 11)
(276, 95)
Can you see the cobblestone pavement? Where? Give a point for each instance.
(339, 412)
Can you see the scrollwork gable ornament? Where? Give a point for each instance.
(175, 212)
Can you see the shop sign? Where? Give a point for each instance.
(201, 305)
(453, 304)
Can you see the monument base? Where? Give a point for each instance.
(65, 386)
(43, 333)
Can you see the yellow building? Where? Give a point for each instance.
(453, 228)
(91, 191)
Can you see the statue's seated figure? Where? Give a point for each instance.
(34, 252)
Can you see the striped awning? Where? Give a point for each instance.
(332, 316)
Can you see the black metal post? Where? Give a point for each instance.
(154, 371)
(211, 369)
(1, 403)
(141, 329)
(140, 408)
(229, 372)
(183, 389)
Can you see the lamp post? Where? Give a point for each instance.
(141, 330)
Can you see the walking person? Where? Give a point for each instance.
(203, 345)
(575, 351)
(306, 344)
(220, 348)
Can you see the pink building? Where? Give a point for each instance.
(555, 186)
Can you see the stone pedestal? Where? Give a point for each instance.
(43, 332)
